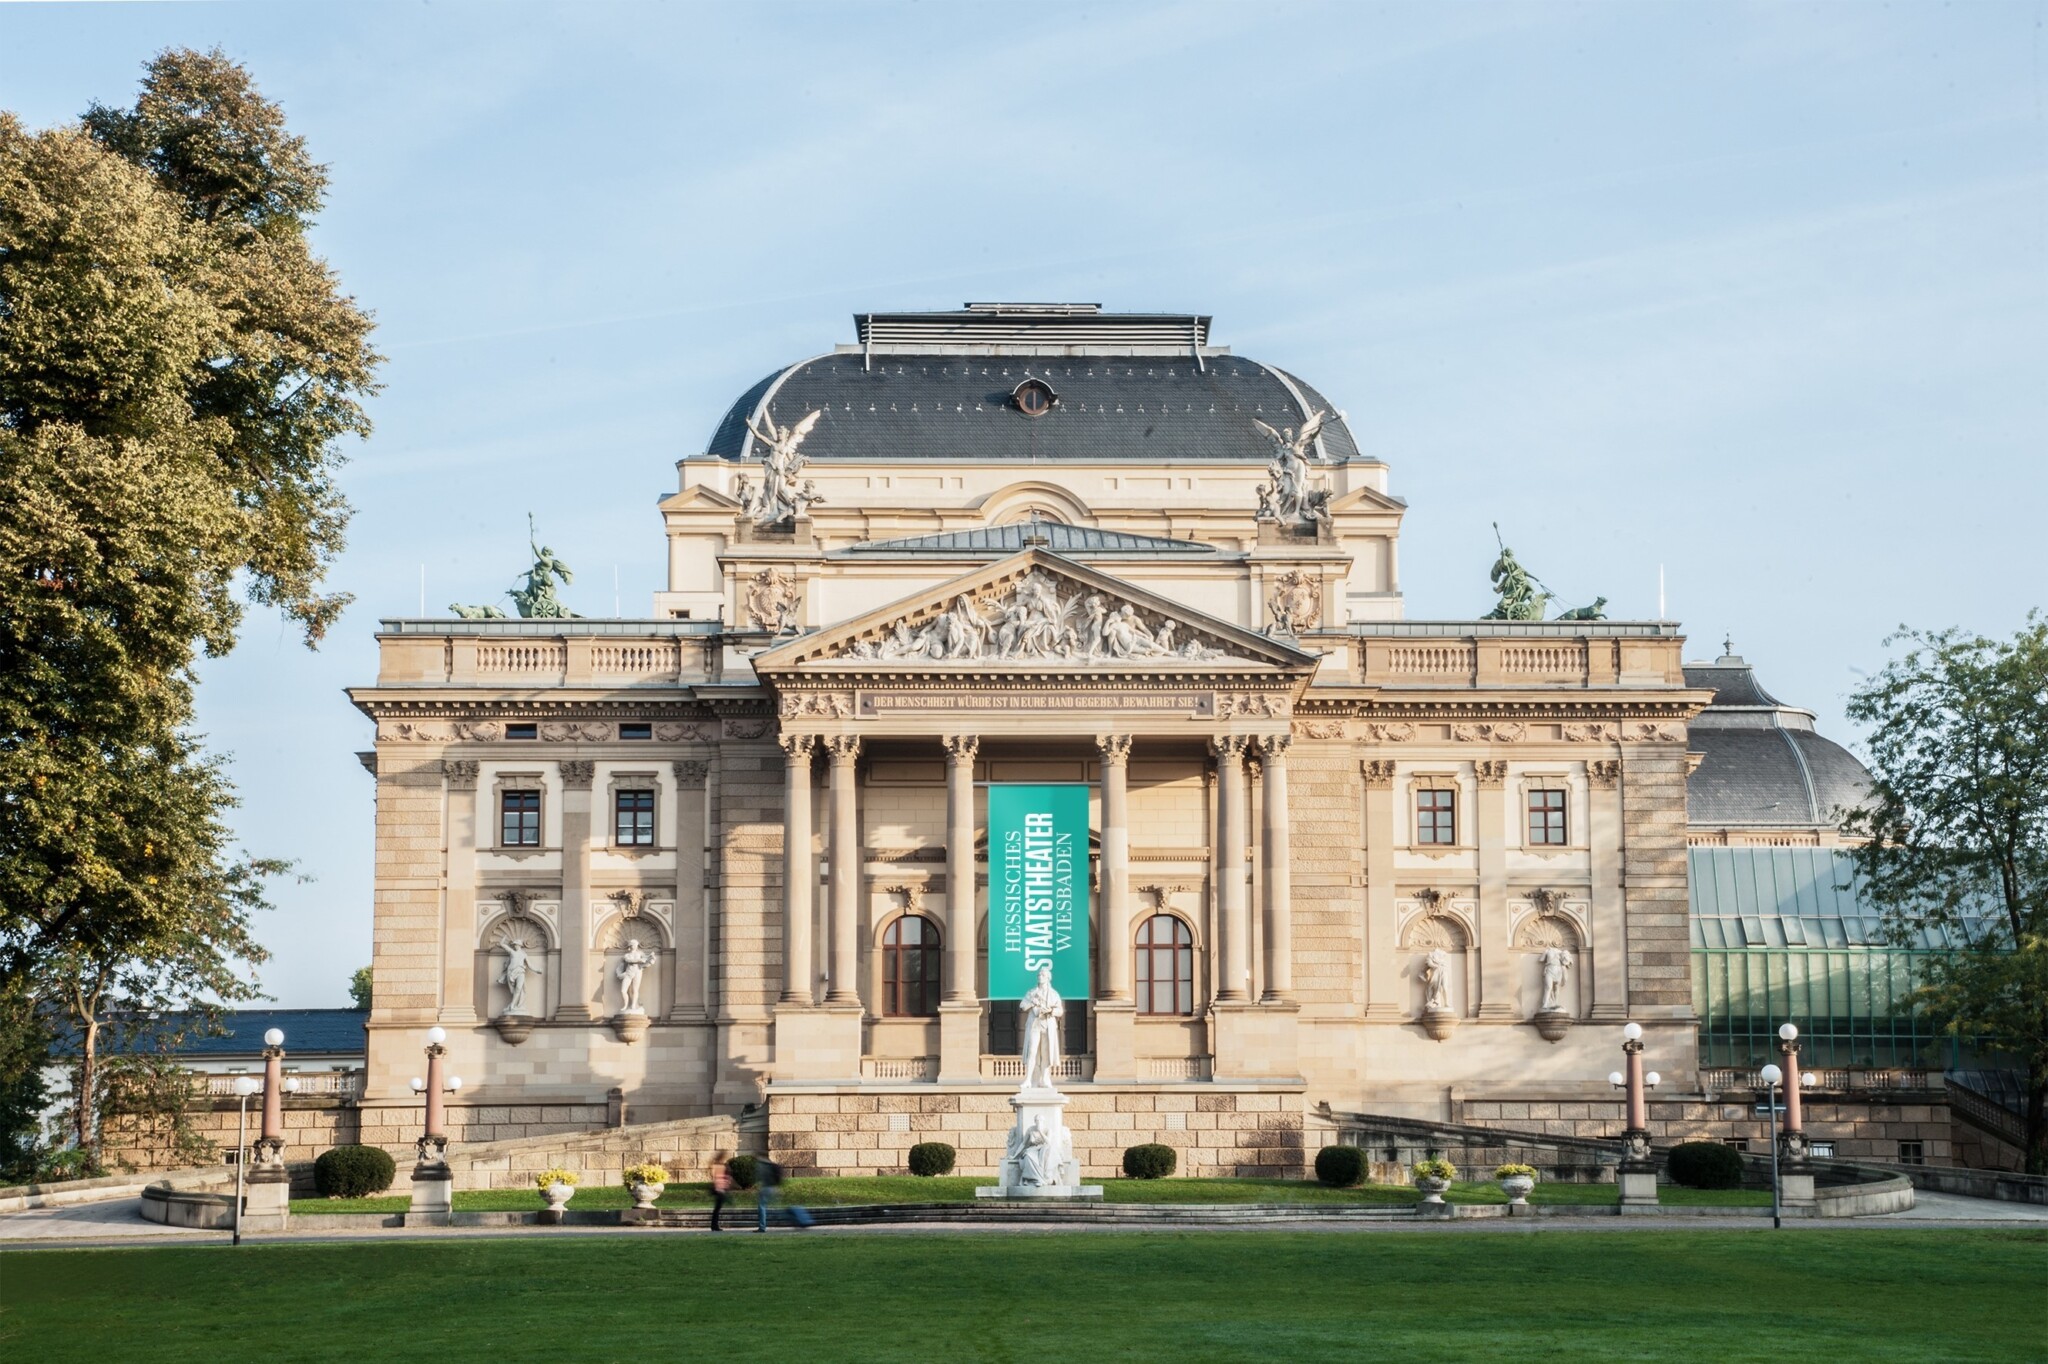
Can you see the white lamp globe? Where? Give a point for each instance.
(244, 1086)
(1789, 1033)
(436, 1036)
(454, 1083)
(1770, 1075)
(1633, 1032)
(1652, 1080)
(1808, 1080)
(418, 1084)
(1614, 1078)
(274, 1038)
(291, 1084)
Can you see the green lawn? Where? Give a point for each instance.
(960, 1189)
(1681, 1294)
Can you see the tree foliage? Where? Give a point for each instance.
(1957, 830)
(176, 367)
(361, 988)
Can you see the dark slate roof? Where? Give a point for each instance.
(1150, 407)
(307, 1032)
(1053, 535)
(1787, 897)
(1762, 763)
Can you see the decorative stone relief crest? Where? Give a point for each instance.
(1320, 729)
(1428, 897)
(1296, 602)
(568, 731)
(1510, 732)
(1545, 901)
(1604, 773)
(576, 775)
(1378, 772)
(772, 601)
(692, 772)
(629, 902)
(822, 705)
(1258, 704)
(1654, 732)
(460, 772)
(1491, 772)
(681, 733)
(1031, 620)
(1586, 733)
(1394, 732)
(912, 893)
(747, 729)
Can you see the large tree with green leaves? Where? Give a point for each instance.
(1957, 830)
(177, 368)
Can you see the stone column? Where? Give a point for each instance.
(1279, 880)
(1116, 866)
(1384, 997)
(844, 751)
(1232, 928)
(458, 940)
(1496, 971)
(960, 1009)
(576, 983)
(798, 969)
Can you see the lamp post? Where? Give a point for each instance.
(1637, 1173)
(1792, 1172)
(433, 1183)
(269, 1190)
(1771, 1075)
(244, 1087)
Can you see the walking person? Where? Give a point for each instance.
(767, 1180)
(721, 1187)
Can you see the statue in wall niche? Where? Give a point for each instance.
(518, 965)
(1556, 962)
(1041, 1010)
(1436, 981)
(632, 964)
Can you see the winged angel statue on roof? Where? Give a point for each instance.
(1288, 498)
(779, 496)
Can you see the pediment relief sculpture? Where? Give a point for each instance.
(1038, 619)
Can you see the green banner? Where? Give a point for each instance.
(1037, 888)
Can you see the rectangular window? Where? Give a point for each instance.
(520, 819)
(1436, 817)
(1912, 1153)
(1823, 1150)
(644, 730)
(1739, 1143)
(1546, 819)
(530, 730)
(633, 819)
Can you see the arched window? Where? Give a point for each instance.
(1166, 966)
(910, 968)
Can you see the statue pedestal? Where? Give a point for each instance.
(630, 1025)
(433, 1195)
(1042, 1166)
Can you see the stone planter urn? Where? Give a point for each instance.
(1432, 1190)
(1553, 1024)
(645, 1194)
(629, 1027)
(1517, 1188)
(1439, 1023)
(557, 1196)
(514, 1028)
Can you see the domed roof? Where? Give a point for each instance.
(952, 386)
(1763, 764)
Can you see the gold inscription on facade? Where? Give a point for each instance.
(1200, 704)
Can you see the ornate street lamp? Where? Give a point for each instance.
(1637, 1173)
(1791, 1173)
(269, 1192)
(244, 1087)
(433, 1183)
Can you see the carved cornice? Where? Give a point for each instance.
(1507, 732)
(1390, 732)
(1321, 729)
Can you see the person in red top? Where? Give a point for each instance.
(721, 1186)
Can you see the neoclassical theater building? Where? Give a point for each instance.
(735, 857)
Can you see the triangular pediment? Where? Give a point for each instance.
(1035, 610)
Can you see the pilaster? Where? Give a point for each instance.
(1496, 974)
(577, 984)
(458, 938)
(1383, 997)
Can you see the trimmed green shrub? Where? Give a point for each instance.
(745, 1171)
(1340, 1167)
(1150, 1161)
(1705, 1165)
(930, 1158)
(353, 1171)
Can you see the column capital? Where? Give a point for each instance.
(1275, 745)
(1378, 772)
(577, 773)
(460, 772)
(1604, 772)
(961, 748)
(797, 745)
(1115, 748)
(1230, 747)
(1491, 772)
(692, 772)
(843, 748)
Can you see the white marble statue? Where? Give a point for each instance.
(779, 495)
(1289, 497)
(1042, 1010)
(1436, 981)
(1556, 962)
(519, 964)
(632, 964)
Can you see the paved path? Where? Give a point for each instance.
(1928, 1206)
(116, 1217)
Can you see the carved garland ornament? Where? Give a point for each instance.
(552, 731)
(1031, 620)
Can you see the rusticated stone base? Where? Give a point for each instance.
(1243, 1131)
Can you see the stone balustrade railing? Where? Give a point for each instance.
(1723, 1079)
(339, 1084)
(1548, 654)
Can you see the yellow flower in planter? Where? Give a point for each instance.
(547, 1177)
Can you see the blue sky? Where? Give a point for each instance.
(1758, 293)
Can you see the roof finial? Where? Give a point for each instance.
(1728, 643)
